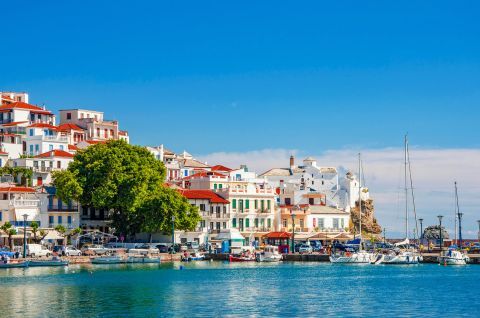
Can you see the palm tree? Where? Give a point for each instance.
(7, 229)
(34, 225)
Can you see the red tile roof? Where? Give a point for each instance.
(15, 123)
(278, 235)
(22, 105)
(69, 126)
(55, 153)
(72, 147)
(43, 125)
(17, 189)
(203, 195)
(204, 174)
(94, 142)
(221, 168)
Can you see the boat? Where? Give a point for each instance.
(143, 260)
(242, 258)
(193, 257)
(15, 264)
(454, 257)
(354, 254)
(48, 263)
(269, 254)
(404, 252)
(108, 260)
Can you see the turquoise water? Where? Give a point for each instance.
(232, 290)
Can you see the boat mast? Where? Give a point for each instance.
(360, 191)
(457, 210)
(406, 188)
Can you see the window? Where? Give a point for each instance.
(217, 209)
(50, 219)
(240, 205)
(268, 205)
(342, 223)
(256, 222)
(69, 116)
(311, 201)
(39, 117)
(256, 204)
(247, 222)
(321, 223)
(211, 225)
(111, 133)
(81, 115)
(214, 186)
(224, 225)
(269, 223)
(50, 147)
(61, 147)
(288, 201)
(31, 132)
(106, 133)
(335, 223)
(301, 223)
(234, 222)
(218, 226)
(37, 148)
(39, 181)
(69, 220)
(202, 207)
(234, 203)
(98, 132)
(59, 164)
(220, 186)
(247, 204)
(284, 223)
(85, 211)
(1, 217)
(262, 205)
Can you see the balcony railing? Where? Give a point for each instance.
(42, 169)
(55, 138)
(23, 203)
(216, 215)
(60, 208)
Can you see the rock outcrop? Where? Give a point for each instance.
(433, 233)
(369, 222)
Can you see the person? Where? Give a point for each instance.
(3, 259)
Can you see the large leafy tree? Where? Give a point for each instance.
(124, 179)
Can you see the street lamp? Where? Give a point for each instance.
(421, 229)
(384, 236)
(25, 216)
(460, 214)
(440, 217)
(478, 230)
(173, 234)
(293, 232)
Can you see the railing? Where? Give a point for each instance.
(60, 208)
(55, 138)
(216, 215)
(25, 203)
(41, 169)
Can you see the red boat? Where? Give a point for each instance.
(236, 259)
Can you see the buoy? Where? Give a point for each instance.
(181, 267)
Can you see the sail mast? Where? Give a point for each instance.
(406, 188)
(457, 210)
(360, 192)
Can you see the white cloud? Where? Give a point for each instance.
(433, 170)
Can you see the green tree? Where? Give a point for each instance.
(60, 229)
(8, 229)
(156, 214)
(121, 178)
(34, 225)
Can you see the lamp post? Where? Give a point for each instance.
(460, 214)
(421, 230)
(440, 217)
(384, 236)
(173, 234)
(293, 233)
(25, 216)
(478, 230)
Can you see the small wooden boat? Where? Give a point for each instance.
(194, 257)
(143, 260)
(241, 259)
(106, 260)
(14, 265)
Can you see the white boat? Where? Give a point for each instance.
(269, 254)
(361, 257)
(108, 260)
(357, 256)
(454, 257)
(404, 253)
(48, 263)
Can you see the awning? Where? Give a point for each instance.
(53, 235)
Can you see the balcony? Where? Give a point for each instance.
(55, 138)
(61, 208)
(42, 169)
(23, 203)
(215, 215)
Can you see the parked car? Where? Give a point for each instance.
(38, 250)
(304, 248)
(72, 251)
(162, 248)
(95, 250)
(60, 249)
(144, 249)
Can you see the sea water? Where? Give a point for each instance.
(216, 289)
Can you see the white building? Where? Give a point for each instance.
(43, 137)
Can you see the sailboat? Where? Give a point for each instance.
(404, 252)
(355, 256)
(454, 256)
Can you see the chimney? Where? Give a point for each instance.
(292, 161)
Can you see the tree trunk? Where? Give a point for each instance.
(150, 238)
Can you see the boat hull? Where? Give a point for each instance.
(235, 259)
(143, 260)
(47, 263)
(354, 258)
(452, 261)
(15, 265)
(401, 259)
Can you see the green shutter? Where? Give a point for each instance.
(247, 222)
(234, 203)
(256, 222)
(215, 186)
(234, 222)
(268, 205)
(262, 203)
(247, 204)
(256, 204)
(220, 186)
(269, 223)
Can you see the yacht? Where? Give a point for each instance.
(454, 257)
(269, 254)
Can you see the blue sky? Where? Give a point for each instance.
(220, 76)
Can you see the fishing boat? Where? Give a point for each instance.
(242, 258)
(14, 264)
(104, 260)
(137, 259)
(269, 254)
(454, 257)
(404, 252)
(56, 261)
(193, 257)
(355, 254)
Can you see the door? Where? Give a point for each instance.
(240, 223)
(39, 181)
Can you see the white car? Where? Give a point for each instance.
(96, 249)
(144, 250)
(72, 251)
